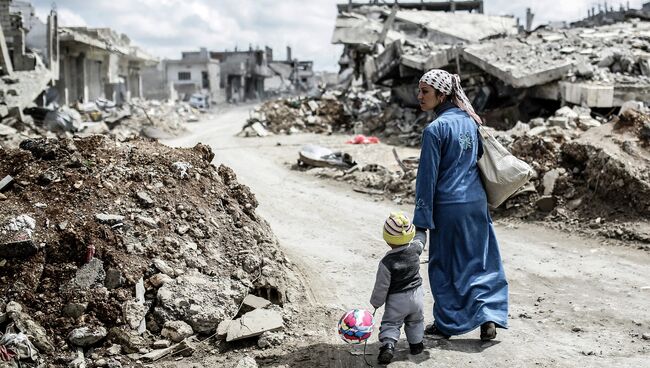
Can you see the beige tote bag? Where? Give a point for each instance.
(503, 174)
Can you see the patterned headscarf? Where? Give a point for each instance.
(449, 84)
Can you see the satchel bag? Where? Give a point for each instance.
(502, 173)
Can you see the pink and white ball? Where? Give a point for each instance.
(356, 326)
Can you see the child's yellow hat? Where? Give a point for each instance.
(398, 229)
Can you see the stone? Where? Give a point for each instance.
(567, 112)
(586, 122)
(559, 121)
(74, 310)
(89, 275)
(114, 279)
(134, 313)
(145, 199)
(4, 183)
(112, 363)
(254, 324)
(255, 302)
(159, 280)
(114, 349)
(147, 221)
(537, 131)
(548, 181)
(38, 335)
(108, 219)
(176, 331)
(130, 341)
(313, 105)
(163, 267)
(222, 328)
(584, 70)
(546, 203)
(13, 307)
(246, 362)
(646, 336)
(200, 300)
(270, 339)
(86, 336)
(161, 344)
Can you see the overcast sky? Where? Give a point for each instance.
(167, 27)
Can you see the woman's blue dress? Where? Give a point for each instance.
(465, 272)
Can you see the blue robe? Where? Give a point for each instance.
(465, 272)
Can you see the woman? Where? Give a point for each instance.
(465, 272)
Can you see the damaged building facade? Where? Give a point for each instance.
(291, 75)
(501, 66)
(29, 55)
(99, 63)
(243, 72)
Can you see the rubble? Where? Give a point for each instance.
(254, 324)
(89, 283)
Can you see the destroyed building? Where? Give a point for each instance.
(243, 72)
(194, 72)
(29, 55)
(99, 63)
(291, 75)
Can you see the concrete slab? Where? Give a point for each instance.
(516, 68)
(254, 324)
(255, 302)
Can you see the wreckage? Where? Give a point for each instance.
(131, 250)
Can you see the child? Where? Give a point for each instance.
(399, 286)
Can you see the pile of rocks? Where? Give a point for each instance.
(109, 248)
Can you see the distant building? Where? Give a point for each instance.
(243, 73)
(99, 62)
(291, 74)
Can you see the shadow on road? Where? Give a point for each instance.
(344, 356)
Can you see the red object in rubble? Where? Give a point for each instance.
(362, 139)
(90, 252)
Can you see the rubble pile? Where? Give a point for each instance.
(296, 114)
(147, 118)
(125, 251)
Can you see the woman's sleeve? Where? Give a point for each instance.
(425, 183)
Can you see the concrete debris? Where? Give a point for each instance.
(246, 362)
(254, 324)
(5, 182)
(270, 339)
(98, 249)
(255, 302)
(86, 336)
(176, 331)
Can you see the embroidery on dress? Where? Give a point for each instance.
(419, 203)
(466, 141)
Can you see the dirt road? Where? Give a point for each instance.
(574, 302)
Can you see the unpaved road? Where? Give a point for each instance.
(574, 302)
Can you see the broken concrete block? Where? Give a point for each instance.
(90, 274)
(222, 328)
(109, 219)
(13, 307)
(546, 203)
(591, 95)
(74, 310)
(567, 112)
(254, 324)
(537, 122)
(246, 362)
(255, 302)
(549, 181)
(38, 335)
(134, 313)
(313, 105)
(159, 279)
(147, 221)
(114, 279)
(145, 199)
(130, 341)
(163, 267)
(86, 336)
(161, 344)
(176, 331)
(585, 70)
(17, 245)
(559, 121)
(5, 182)
(270, 339)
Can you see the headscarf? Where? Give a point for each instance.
(449, 84)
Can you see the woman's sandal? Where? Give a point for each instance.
(488, 331)
(434, 332)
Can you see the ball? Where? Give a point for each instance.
(356, 326)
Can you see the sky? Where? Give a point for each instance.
(164, 28)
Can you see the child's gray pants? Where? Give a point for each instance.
(403, 308)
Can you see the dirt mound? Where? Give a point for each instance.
(87, 222)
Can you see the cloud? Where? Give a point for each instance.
(167, 27)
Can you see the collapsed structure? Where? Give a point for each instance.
(553, 97)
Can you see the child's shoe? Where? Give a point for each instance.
(435, 333)
(416, 348)
(386, 353)
(488, 331)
